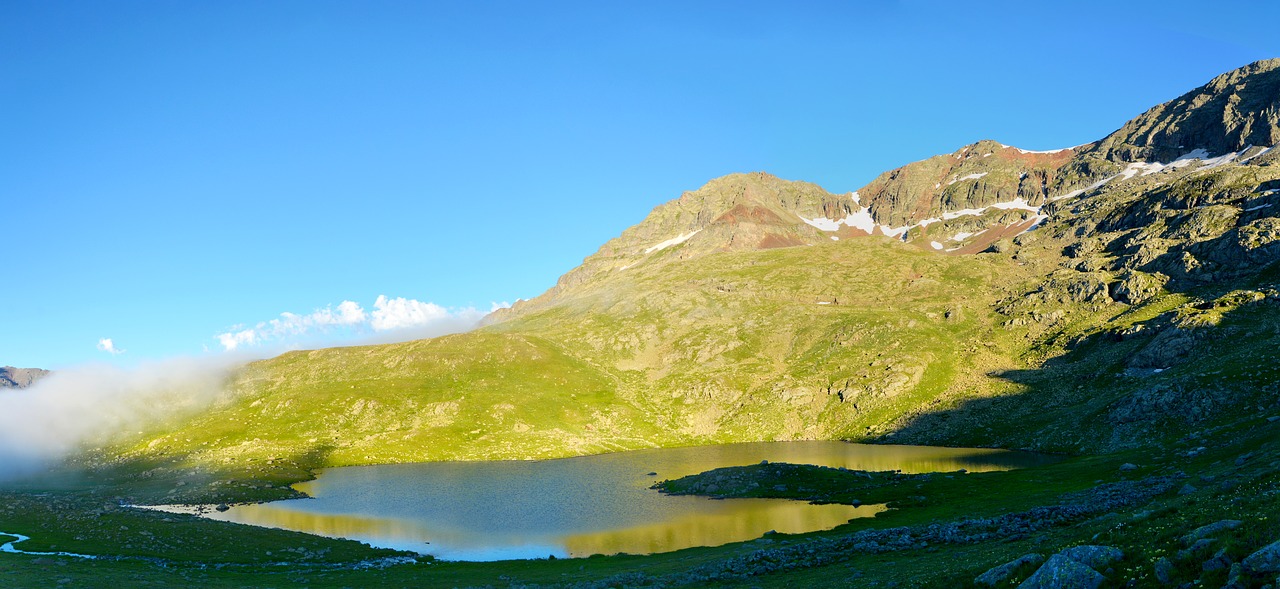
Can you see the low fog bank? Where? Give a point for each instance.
(90, 405)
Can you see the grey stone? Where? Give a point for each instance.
(1236, 578)
(1061, 572)
(1128, 467)
(1186, 490)
(1217, 562)
(1164, 570)
(1199, 546)
(1092, 556)
(1210, 530)
(1265, 561)
(998, 574)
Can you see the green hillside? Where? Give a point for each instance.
(1115, 302)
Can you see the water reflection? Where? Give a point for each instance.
(582, 506)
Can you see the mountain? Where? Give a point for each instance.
(1115, 303)
(20, 378)
(991, 296)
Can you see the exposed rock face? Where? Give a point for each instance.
(1235, 110)
(20, 378)
(975, 176)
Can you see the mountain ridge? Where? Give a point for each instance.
(20, 378)
(984, 189)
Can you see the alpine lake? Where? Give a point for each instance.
(582, 506)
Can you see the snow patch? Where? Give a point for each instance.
(968, 177)
(935, 245)
(834, 238)
(1017, 203)
(859, 220)
(677, 240)
(963, 235)
(1059, 150)
(1259, 207)
(1191, 158)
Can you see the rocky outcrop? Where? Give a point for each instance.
(1075, 567)
(975, 176)
(1235, 110)
(20, 378)
(1266, 561)
(1000, 574)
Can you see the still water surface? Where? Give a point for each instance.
(577, 507)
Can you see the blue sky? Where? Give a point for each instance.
(173, 171)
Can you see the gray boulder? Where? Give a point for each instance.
(1164, 570)
(1061, 572)
(1210, 530)
(1264, 561)
(998, 574)
(1095, 557)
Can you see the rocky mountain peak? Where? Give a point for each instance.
(1235, 110)
(20, 378)
(975, 176)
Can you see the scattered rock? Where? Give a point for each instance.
(1219, 561)
(1199, 546)
(1164, 570)
(999, 574)
(1061, 572)
(1264, 561)
(1210, 530)
(1236, 578)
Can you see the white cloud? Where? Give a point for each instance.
(233, 340)
(105, 344)
(401, 318)
(399, 313)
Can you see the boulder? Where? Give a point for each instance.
(1135, 287)
(1092, 556)
(996, 575)
(1263, 562)
(1210, 530)
(1061, 572)
(1164, 570)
